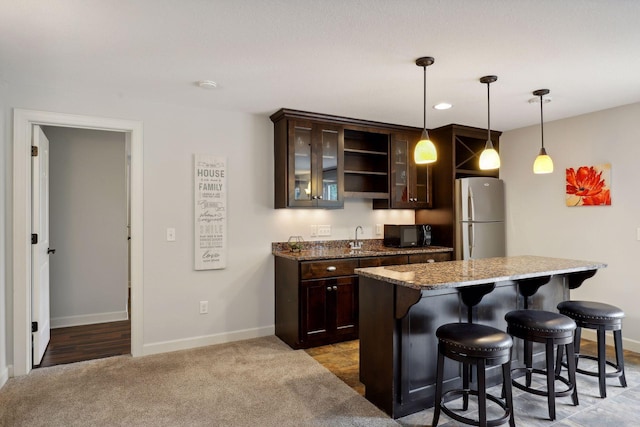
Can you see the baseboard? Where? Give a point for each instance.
(627, 344)
(88, 319)
(4, 376)
(201, 341)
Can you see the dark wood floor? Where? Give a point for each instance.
(87, 342)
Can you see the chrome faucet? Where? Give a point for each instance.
(356, 244)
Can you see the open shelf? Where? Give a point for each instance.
(366, 164)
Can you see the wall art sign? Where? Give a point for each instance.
(589, 186)
(210, 209)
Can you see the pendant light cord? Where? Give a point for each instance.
(488, 113)
(424, 99)
(541, 123)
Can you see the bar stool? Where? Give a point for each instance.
(550, 329)
(482, 346)
(601, 317)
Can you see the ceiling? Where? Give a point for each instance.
(353, 58)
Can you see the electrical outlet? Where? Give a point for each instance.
(314, 230)
(324, 230)
(378, 229)
(204, 307)
(171, 234)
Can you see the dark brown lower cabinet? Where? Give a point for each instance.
(316, 302)
(329, 310)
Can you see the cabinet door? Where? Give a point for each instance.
(313, 310)
(315, 173)
(410, 183)
(345, 296)
(300, 164)
(329, 166)
(329, 310)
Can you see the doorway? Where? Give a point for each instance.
(87, 245)
(24, 121)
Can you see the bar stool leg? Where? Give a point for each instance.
(617, 339)
(466, 374)
(482, 393)
(560, 355)
(571, 368)
(507, 392)
(551, 377)
(528, 361)
(439, 379)
(577, 336)
(602, 362)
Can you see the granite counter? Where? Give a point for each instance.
(337, 249)
(431, 276)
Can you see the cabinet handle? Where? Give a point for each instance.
(329, 288)
(335, 288)
(331, 268)
(320, 197)
(314, 197)
(431, 260)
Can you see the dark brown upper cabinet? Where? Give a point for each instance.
(309, 165)
(410, 184)
(322, 159)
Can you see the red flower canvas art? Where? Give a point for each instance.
(589, 186)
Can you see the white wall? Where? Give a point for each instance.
(88, 223)
(4, 292)
(240, 297)
(539, 222)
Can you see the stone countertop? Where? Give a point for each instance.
(332, 249)
(454, 274)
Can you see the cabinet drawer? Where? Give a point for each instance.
(435, 256)
(329, 268)
(383, 260)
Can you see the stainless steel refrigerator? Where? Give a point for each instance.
(480, 215)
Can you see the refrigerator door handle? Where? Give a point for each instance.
(471, 239)
(471, 212)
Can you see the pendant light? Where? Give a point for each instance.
(543, 163)
(425, 152)
(489, 158)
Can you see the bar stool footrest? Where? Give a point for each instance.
(560, 393)
(618, 370)
(460, 392)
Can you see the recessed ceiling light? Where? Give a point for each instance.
(536, 100)
(442, 106)
(207, 84)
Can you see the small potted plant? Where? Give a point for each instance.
(295, 243)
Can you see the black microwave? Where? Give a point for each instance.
(407, 236)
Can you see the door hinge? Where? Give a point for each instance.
(34, 151)
(34, 239)
(34, 326)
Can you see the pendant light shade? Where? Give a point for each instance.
(489, 158)
(543, 163)
(425, 151)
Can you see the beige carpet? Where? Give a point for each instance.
(259, 382)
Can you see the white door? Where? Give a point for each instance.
(40, 250)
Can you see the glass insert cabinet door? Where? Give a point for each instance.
(410, 183)
(302, 162)
(316, 160)
(328, 166)
(400, 193)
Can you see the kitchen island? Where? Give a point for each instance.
(402, 306)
